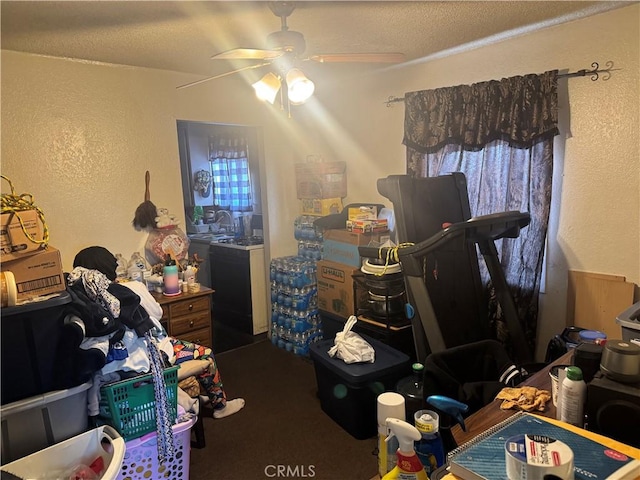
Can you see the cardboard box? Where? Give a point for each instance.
(13, 241)
(363, 212)
(321, 180)
(37, 274)
(335, 288)
(341, 246)
(368, 226)
(321, 207)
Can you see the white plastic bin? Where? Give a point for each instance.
(141, 458)
(629, 322)
(56, 462)
(40, 421)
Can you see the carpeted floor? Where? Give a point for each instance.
(282, 431)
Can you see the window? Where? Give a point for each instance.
(228, 156)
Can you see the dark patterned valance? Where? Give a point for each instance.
(520, 110)
(227, 145)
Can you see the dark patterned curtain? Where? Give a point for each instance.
(230, 170)
(500, 135)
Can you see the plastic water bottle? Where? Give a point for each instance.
(411, 389)
(574, 394)
(136, 267)
(121, 268)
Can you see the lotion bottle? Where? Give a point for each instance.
(574, 394)
(408, 466)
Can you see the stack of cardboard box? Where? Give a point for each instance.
(341, 260)
(321, 186)
(35, 268)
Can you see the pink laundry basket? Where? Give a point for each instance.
(141, 457)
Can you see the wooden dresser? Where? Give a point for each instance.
(188, 316)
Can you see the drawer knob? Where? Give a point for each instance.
(190, 306)
(191, 323)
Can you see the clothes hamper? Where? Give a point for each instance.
(59, 459)
(349, 392)
(37, 422)
(141, 457)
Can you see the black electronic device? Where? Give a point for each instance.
(613, 409)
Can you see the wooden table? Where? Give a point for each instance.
(490, 414)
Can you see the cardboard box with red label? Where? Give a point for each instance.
(368, 226)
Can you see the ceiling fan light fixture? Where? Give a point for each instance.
(299, 87)
(267, 87)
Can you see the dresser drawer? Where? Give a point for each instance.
(187, 323)
(201, 337)
(184, 307)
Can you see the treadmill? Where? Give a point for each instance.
(437, 240)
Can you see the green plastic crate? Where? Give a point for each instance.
(129, 405)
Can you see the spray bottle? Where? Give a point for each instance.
(408, 466)
(429, 449)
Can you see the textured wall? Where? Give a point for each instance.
(79, 136)
(595, 219)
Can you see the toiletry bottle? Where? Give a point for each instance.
(429, 448)
(574, 393)
(408, 466)
(389, 404)
(170, 277)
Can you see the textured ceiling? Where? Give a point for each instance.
(183, 35)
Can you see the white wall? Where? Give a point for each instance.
(79, 137)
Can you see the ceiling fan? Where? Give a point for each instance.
(285, 48)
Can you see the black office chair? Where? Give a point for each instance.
(471, 374)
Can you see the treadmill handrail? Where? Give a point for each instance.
(477, 230)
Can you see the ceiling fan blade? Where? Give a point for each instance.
(248, 54)
(198, 82)
(358, 57)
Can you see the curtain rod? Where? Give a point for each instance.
(594, 73)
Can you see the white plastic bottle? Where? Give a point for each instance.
(136, 267)
(390, 404)
(574, 394)
(121, 269)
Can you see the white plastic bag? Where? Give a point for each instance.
(351, 347)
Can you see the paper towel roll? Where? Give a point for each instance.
(531, 457)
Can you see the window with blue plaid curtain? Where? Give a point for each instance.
(228, 155)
